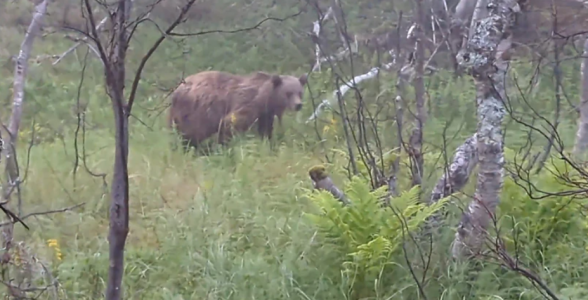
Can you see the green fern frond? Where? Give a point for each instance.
(366, 232)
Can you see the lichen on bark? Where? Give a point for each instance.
(486, 57)
(458, 172)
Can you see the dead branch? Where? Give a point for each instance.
(47, 212)
(499, 253)
(345, 88)
(77, 44)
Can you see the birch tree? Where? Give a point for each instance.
(486, 55)
(582, 133)
(8, 143)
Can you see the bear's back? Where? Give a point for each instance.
(214, 80)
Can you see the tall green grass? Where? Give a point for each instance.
(231, 225)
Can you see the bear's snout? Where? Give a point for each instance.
(298, 107)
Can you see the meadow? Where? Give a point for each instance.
(236, 224)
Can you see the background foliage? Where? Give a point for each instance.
(234, 225)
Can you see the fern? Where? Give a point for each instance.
(367, 234)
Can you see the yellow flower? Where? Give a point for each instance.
(55, 245)
(206, 185)
(327, 127)
(17, 259)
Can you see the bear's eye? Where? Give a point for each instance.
(289, 94)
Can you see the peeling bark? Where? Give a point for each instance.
(457, 175)
(582, 133)
(316, 29)
(487, 56)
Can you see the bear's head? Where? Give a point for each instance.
(288, 91)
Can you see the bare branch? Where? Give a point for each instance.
(145, 58)
(345, 88)
(256, 26)
(48, 212)
(77, 44)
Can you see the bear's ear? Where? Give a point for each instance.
(303, 79)
(276, 80)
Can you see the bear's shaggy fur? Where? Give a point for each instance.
(215, 102)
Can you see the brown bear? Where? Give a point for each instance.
(215, 102)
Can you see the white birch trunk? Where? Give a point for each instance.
(457, 175)
(316, 29)
(582, 133)
(486, 55)
(9, 143)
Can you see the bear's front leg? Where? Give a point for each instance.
(265, 125)
(225, 131)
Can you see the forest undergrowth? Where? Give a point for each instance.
(242, 223)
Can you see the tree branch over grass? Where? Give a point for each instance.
(573, 174)
(77, 44)
(113, 56)
(47, 212)
(498, 252)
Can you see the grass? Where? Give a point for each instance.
(213, 222)
(232, 225)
